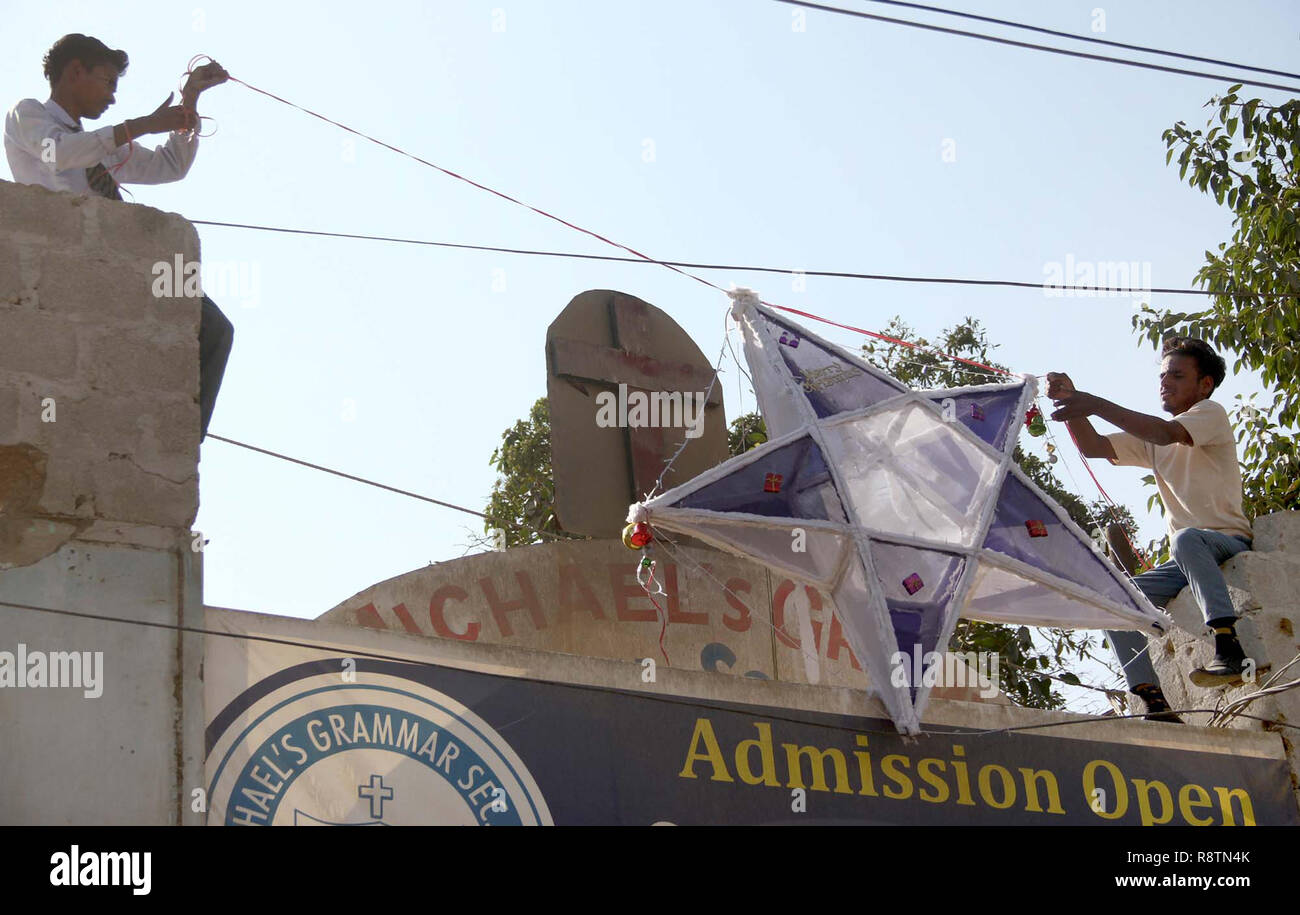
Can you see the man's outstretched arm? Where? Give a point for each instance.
(172, 161)
(34, 130)
(1076, 406)
(1091, 442)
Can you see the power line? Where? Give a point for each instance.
(687, 701)
(347, 476)
(459, 177)
(988, 732)
(1039, 47)
(745, 268)
(588, 232)
(377, 485)
(596, 235)
(1090, 38)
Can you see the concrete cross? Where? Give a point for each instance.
(607, 346)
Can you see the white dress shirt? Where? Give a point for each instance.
(31, 124)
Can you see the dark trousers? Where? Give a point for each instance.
(216, 335)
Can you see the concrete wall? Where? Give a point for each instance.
(1263, 584)
(628, 675)
(246, 664)
(99, 428)
(725, 614)
(580, 598)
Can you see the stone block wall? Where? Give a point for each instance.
(99, 441)
(99, 417)
(1264, 584)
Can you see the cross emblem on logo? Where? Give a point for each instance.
(377, 792)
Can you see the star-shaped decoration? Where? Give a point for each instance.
(906, 506)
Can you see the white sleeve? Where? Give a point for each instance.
(169, 162)
(30, 128)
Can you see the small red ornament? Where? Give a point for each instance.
(913, 583)
(1036, 528)
(636, 536)
(772, 482)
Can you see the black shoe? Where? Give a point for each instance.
(1157, 706)
(1219, 673)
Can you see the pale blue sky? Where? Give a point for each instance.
(815, 149)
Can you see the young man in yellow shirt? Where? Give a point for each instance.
(1194, 458)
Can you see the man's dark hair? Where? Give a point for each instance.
(90, 51)
(1208, 362)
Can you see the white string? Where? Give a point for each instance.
(740, 390)
(686, 438)
(680, 556)
(643, 580)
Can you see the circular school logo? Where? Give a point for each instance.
(310, 746)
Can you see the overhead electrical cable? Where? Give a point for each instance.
(859, 14)
(751, 268)
(961, 14)
(352, 651)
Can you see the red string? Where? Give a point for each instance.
(663, 629)
(180, 89)
(189, 70)
(887, 338)
(476, 184)
(592, 234)
(1146, 563)
(861, 330)
(130, 148)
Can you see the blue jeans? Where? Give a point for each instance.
(1197, 556)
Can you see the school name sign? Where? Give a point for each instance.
(299, 737)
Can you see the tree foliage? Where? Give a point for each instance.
(1246, 158)
(522, 504)
(745, 432)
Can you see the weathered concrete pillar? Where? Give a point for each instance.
(1265, 587)
(99, 436)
